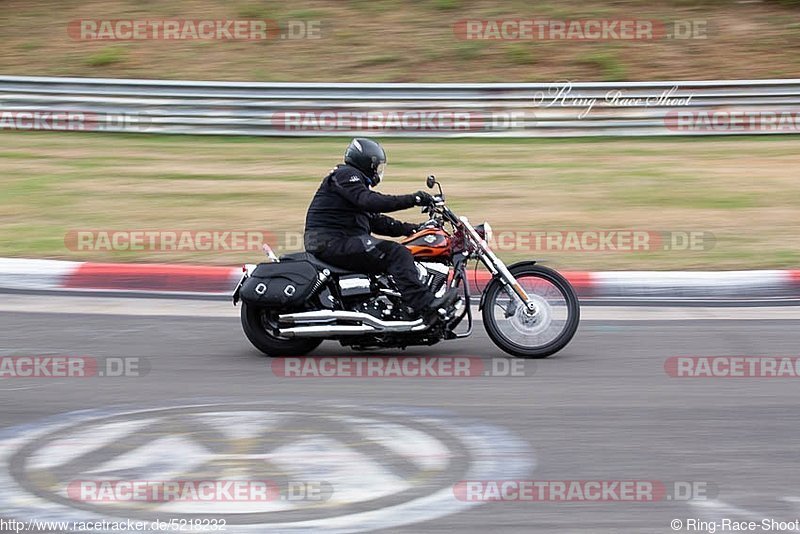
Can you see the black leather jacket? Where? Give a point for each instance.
(344, 206)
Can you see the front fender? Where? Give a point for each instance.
(511, 268)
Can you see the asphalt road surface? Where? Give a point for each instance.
(393, 454)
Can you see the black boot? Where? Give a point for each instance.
(440, 306)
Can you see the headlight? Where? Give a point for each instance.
(489, 236)
(485, 232)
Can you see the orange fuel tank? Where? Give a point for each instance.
(430, 243)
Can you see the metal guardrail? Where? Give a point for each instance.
(413, 110)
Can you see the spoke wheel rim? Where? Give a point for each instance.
(514, 321)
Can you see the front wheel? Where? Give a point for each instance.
(525, 334)
(258, 325)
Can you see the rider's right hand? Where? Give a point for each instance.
(421, 198)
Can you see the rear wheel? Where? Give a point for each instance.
(532, 334)
(258, 325)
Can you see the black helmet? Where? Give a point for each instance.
(368, 157)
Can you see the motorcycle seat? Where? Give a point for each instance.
(318, 263)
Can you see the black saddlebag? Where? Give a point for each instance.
(280, 285)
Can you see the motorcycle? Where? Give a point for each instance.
(293, 303)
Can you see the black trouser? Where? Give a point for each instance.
(374, 256)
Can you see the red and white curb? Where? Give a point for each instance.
(57, 275)
(695, 284)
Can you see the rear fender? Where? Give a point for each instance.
(247, 269)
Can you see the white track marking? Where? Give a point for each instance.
(356, 477)
(18, 273)
(489, 453)
(116, 306)
(424, 450)
(719, 509)
(680, 313)
(82, 442)
(162, 459)
(240, 425)
(690, 283)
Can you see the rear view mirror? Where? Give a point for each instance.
(431, 181)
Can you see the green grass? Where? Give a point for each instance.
(607, 62)
(57, 182)
(384, 59)
(35, 42)
(108, 56)
(447, 5)
(469, 50)
(254, 11)
(305, 14)
(521, 54)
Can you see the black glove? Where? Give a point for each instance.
(410, 229)
(421, 198)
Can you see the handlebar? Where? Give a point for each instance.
(438, 210)
(438, 201)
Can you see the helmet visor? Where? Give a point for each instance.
(379, 170)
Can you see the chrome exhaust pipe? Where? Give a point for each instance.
(369, 324)
(325, 331)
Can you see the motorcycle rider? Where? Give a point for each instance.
(345, 212)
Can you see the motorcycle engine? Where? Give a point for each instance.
(358, 289)
(434, 275)
(355, 286)
(381, 308)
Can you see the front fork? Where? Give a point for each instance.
(500, 271)
(511, 286)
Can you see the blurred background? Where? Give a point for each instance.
(416, 41)
(536, 158)
(572, 126)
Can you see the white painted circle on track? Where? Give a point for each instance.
(385, 468)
